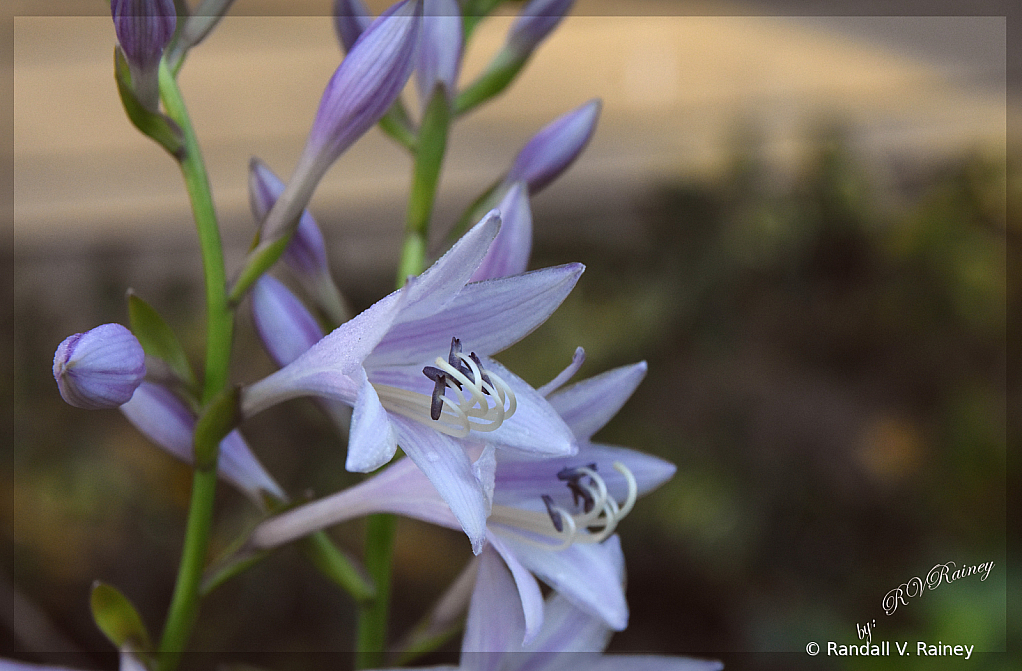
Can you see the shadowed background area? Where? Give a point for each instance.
(800, 223)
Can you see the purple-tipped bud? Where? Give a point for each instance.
(351, 18)
(368, 81)
(286, 328)
(164, 419)
(362, 89)
(144, 27)
(100, 368)
(509, 253)
(555, 147)
(536, 20)
(439, 60)
(306, 253)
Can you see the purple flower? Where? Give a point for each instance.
(416, 369)
(144, 28)
(509, 253)
(555, 147)
(493, 633)
(439, 59)
(100, 368)
(306, 253)
(287, 330)
(536, 20)
(164, 419)
(552, 517)
(368, 81)
(351, 18)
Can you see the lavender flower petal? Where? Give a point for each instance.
(588, 405)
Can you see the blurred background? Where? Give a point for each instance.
(799, 222)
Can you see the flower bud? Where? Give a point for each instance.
(536, 20)
(100, 368)
(509, 253)
(144, 28)
(351, 18)
(439, 59)
(555, 147)
(162, 417)
(364, 86)
(306, 253)
(286, 328)
(368, 81)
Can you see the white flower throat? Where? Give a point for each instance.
(560, 528)
(482, 401)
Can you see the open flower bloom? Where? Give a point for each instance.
(493, 633)
(415, 367)
(553, 517)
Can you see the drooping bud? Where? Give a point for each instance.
(144, 28)
(439, 60)
(351, 18)
(536, 20)
(164, 419)
(100, 368)
(366, 84)
(306, 253)
(555, 147)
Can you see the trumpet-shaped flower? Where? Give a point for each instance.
(165, 420)
(553, 517)
(416, 369)
(100, 368)
(493, 633)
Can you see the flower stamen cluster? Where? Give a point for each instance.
(595, 523)
(471, 410)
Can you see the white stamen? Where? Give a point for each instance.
(597, 525)
(471, 411)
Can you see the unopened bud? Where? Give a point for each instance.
(100, 368)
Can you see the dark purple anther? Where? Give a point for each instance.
(555, 516)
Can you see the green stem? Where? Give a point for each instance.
(184, 606)
(219, 317)
(372, 615)
(429, 155)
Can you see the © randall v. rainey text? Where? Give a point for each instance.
(883, 649)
